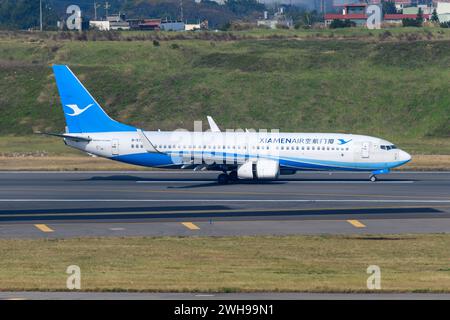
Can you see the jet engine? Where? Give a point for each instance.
(259, 169)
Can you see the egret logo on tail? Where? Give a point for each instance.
(76, 110)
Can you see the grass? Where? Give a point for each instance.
(410, 263)
(329, 81)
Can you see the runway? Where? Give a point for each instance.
(185, 203)
(32, 295)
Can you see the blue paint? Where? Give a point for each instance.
(83, 114)
(382, 171)
(342, 141)
(165, 160)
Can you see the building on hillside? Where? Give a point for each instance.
(112, 22)
(443, 11)
(101, 25)
(398, 18)
(144, 24)
(168, 25)
(279, 19)
(415, 10)
(192, 26)
(118, 22)
(400, 4)
(353, 12)
(357, 14)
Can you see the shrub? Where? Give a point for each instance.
(337, 23)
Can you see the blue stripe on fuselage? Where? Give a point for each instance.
(164, 160)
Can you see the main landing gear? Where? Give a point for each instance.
(224, 178)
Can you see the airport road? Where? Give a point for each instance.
(184, 203)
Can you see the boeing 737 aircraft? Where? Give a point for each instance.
(238, 155)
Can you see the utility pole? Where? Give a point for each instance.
(107, 6)
(40, 14)
(96, 6)
(181, 10)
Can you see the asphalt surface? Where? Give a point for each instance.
(218, 296)
(185, 203)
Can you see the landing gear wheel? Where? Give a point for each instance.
(222, 178)
(373, 178)
(233, 176)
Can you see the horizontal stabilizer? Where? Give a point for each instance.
(65, 136)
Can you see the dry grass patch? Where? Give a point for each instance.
(223, 264)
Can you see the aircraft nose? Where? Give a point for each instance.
(404, 156)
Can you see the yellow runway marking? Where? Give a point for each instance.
(356, 223)
(190, 225)
(43, 227)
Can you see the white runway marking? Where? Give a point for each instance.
(231, 200)
(285, 181)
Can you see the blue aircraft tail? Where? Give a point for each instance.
(83, 114)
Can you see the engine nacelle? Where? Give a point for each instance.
(259, 169)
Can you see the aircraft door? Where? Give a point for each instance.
(115, 147)
(365, 150)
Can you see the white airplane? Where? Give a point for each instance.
(239, 155)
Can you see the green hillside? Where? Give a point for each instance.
(397, 89)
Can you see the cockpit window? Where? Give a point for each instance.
(389, 147)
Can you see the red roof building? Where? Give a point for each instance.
(357, 14)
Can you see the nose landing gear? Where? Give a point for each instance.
(373, 176)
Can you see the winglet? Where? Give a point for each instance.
(212, 124)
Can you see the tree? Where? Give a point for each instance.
(419, 18)
(417, 22)
(434, 16)
(388, 7)
(24, 14)
(243, 7)
(337, 23)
